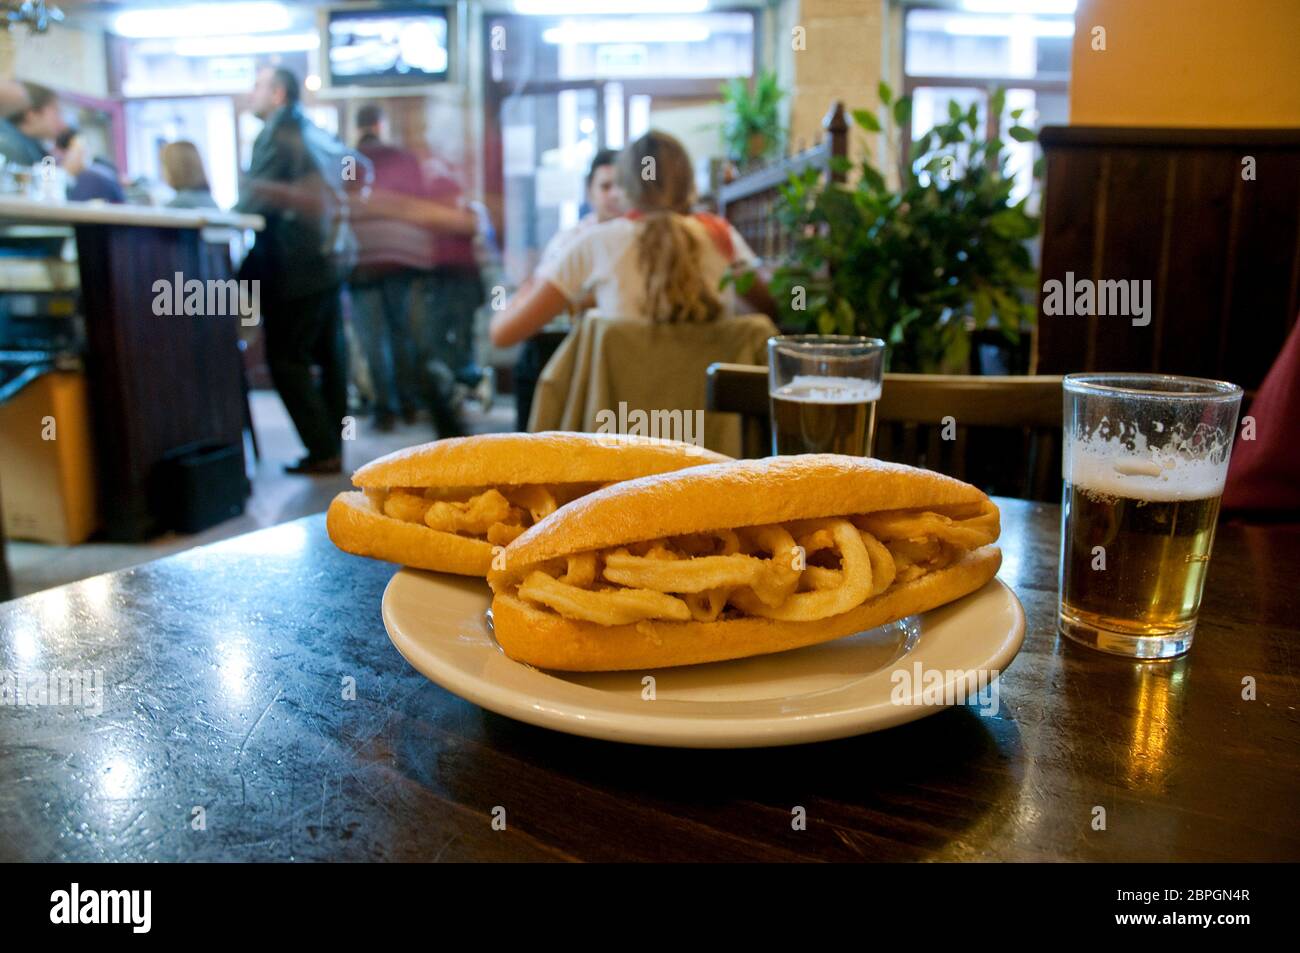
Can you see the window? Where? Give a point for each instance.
(959, 53)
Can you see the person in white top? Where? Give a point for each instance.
(604, 196)
(659, 263)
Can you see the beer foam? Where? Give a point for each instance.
(1112, 468)
(813, 389)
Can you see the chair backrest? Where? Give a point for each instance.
(608, 369)
(1001, 433)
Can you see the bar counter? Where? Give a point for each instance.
(14, 209)
(157, 384)
(226, 734)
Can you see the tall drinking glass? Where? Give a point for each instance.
(1145, 459)
(824, 390)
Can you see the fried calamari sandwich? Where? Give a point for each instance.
(449, 505)
(735, 559)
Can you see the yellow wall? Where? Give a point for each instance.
(1187, 63)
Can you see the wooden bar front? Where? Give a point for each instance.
(157, 382)
(1211, 217)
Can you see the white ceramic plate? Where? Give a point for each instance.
(833, 690)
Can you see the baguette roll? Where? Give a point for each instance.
(450, 505)
(735, 559)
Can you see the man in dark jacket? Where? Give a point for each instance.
(295, 180)
(92, 178)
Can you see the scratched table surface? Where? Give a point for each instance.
(224, 735)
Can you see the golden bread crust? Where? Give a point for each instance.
(726, 496)
(515, 458)
(357, 527)
(547, 640)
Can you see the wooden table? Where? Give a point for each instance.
(225, 670)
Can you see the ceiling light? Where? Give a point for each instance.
(555, 8)
(212, 19)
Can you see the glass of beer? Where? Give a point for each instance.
(824, 390)
(1145, 459)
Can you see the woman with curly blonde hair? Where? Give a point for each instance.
(660, 262)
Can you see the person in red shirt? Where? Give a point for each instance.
(403, 228)
(390, 254)
(453, 286)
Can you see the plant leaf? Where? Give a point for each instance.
(903, 111)
(866, 119)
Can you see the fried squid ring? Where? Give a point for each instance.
(580, 570)
(968, 532)
(855, 586)
(407, 507)
(535, 498)
(604, 607)
(681, 575)
(503, 534)
(779, 577)
(883, 570)
(708, 605)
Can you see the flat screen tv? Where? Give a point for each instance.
(388, 46)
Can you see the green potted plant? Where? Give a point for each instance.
(920, 265)
(751, 128)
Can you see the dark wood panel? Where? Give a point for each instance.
(158, 382)
(1262, 308)
(1130, 249)
(1171, 205)
(1071, 217)
(1190, 308)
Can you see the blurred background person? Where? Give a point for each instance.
(182, 170)
(391, 250)
(90, 179)
(33, 120)
(661, 262)
(454, 285)
(301, 258)
(605, 201)
(402, 220)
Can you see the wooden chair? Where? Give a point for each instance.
(1003, 433)
(613, 365)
